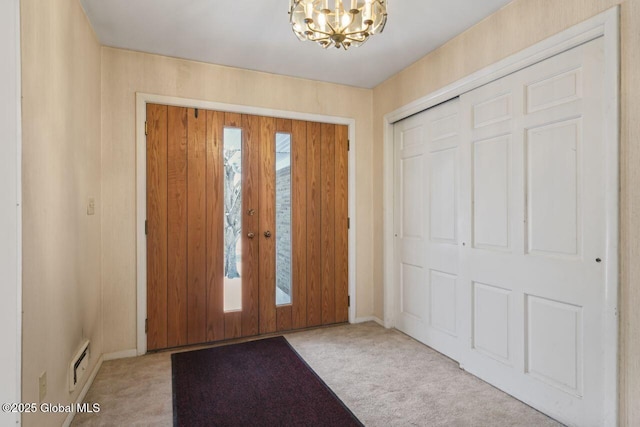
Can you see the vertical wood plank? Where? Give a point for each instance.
(215, 221)
(250, 224)
(328, 231)
(267, 194)
(157, 226)
(284, 314)
(284, 125)
(233, 120)
(299, 222)
(233, 325)
(196, 230)
(341, 224)
(314, 225)
(177, 226)
(284, 318)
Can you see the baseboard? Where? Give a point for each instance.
(369, 319)
(120, 354)
(83, 393)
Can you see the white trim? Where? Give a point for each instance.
(83, 393)
(11, 208)
(142, 99)
(124, 354)
(388, 247)
(612, 202)
(18, 208)
(604, 25)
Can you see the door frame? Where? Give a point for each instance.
(142, 99)
(605, 25)
(11, 209)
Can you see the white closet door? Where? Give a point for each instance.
(427, 238)
(533, 259)
(500, 227)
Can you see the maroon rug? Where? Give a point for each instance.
(257, 383)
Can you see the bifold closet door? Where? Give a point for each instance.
(246, 225)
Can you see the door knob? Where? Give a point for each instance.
(251, 235)
(267, 234)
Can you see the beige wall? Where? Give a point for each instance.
(61, 170)
(65, 99)
(125, 73)
(520, 24)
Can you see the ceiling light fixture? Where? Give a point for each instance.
(341, 27)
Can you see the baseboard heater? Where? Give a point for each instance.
(79, 365)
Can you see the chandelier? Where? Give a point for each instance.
(348, 23)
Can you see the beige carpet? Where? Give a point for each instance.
(383, 376)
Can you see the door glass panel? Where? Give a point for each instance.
(232, 219)
(283, 219)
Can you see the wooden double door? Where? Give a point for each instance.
(247, 225)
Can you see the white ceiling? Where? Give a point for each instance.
(256, 35)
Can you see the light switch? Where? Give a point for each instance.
(91, 206)
(42, 385)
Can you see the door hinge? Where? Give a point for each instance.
(348, 145)
(348, 223)
(146, 325)
(196, 113)
(349, 301)
(146, 130)
(146, 227)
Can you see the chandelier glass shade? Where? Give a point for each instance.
(339, 23)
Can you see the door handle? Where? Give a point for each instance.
(251, 235)
(267, 234)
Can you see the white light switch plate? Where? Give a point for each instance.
(91, 206)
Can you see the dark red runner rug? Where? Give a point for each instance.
(257, 383)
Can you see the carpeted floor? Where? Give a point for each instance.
(383, 376)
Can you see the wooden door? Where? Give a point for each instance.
(242, 239)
